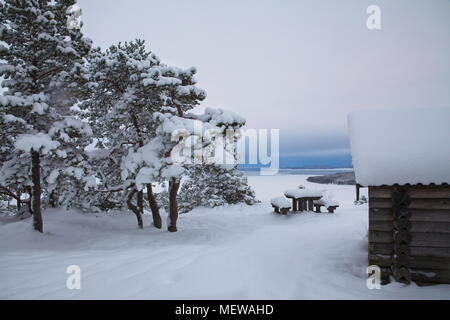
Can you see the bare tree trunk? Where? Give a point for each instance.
(135, 209)
(53, 202)
(157, 222)
(19, 203)
(140, 201)
(174, 185)
(29, 204)
(36, 179)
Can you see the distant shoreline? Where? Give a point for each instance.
(341, 178)
(303, 171)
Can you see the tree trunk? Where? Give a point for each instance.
(19, 203)
(140, 201)
(29, 204)
(135, 209)
(157, 222)
(36, 179)
(52, 201)
(174, 185)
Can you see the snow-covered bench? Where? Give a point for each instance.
(302, 200)
(331, 205)
(281, 205)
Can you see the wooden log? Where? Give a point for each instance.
(380, 192)
(388, 249)
(401, 212)
(380, 203)
(385, 275)
(430, 276)
(401, 260)
(402, 248)
(400, 237)
(418, 239)
(427, 204)
(380, 260)
(376, 225)
(436, 263)
(376, 214)
(433, 215)
(402, 274)
(413, 226)
(381, 248)
(402, 224)
(416, 192)
(381, 236)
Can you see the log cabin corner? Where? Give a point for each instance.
(407, 172)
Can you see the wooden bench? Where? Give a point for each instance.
(281, 205)
(330, 205)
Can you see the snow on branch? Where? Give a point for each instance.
(37, 142)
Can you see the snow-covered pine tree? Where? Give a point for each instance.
(214, 180)
(129, 89)
(123, 94)
(211, 185)
(43, 64)
(211, 136)
(182, 95)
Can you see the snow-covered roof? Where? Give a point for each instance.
(401, 146)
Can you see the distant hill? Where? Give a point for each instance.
(345, 178)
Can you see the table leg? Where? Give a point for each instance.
(310, 205)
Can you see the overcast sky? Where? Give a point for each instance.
(299, 66)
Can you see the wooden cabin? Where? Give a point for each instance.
(403, 157)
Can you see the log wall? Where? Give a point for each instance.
(409, 232)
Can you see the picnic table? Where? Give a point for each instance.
(303, 200)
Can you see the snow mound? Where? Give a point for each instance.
(401, 146)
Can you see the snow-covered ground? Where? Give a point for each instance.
(234, 252)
